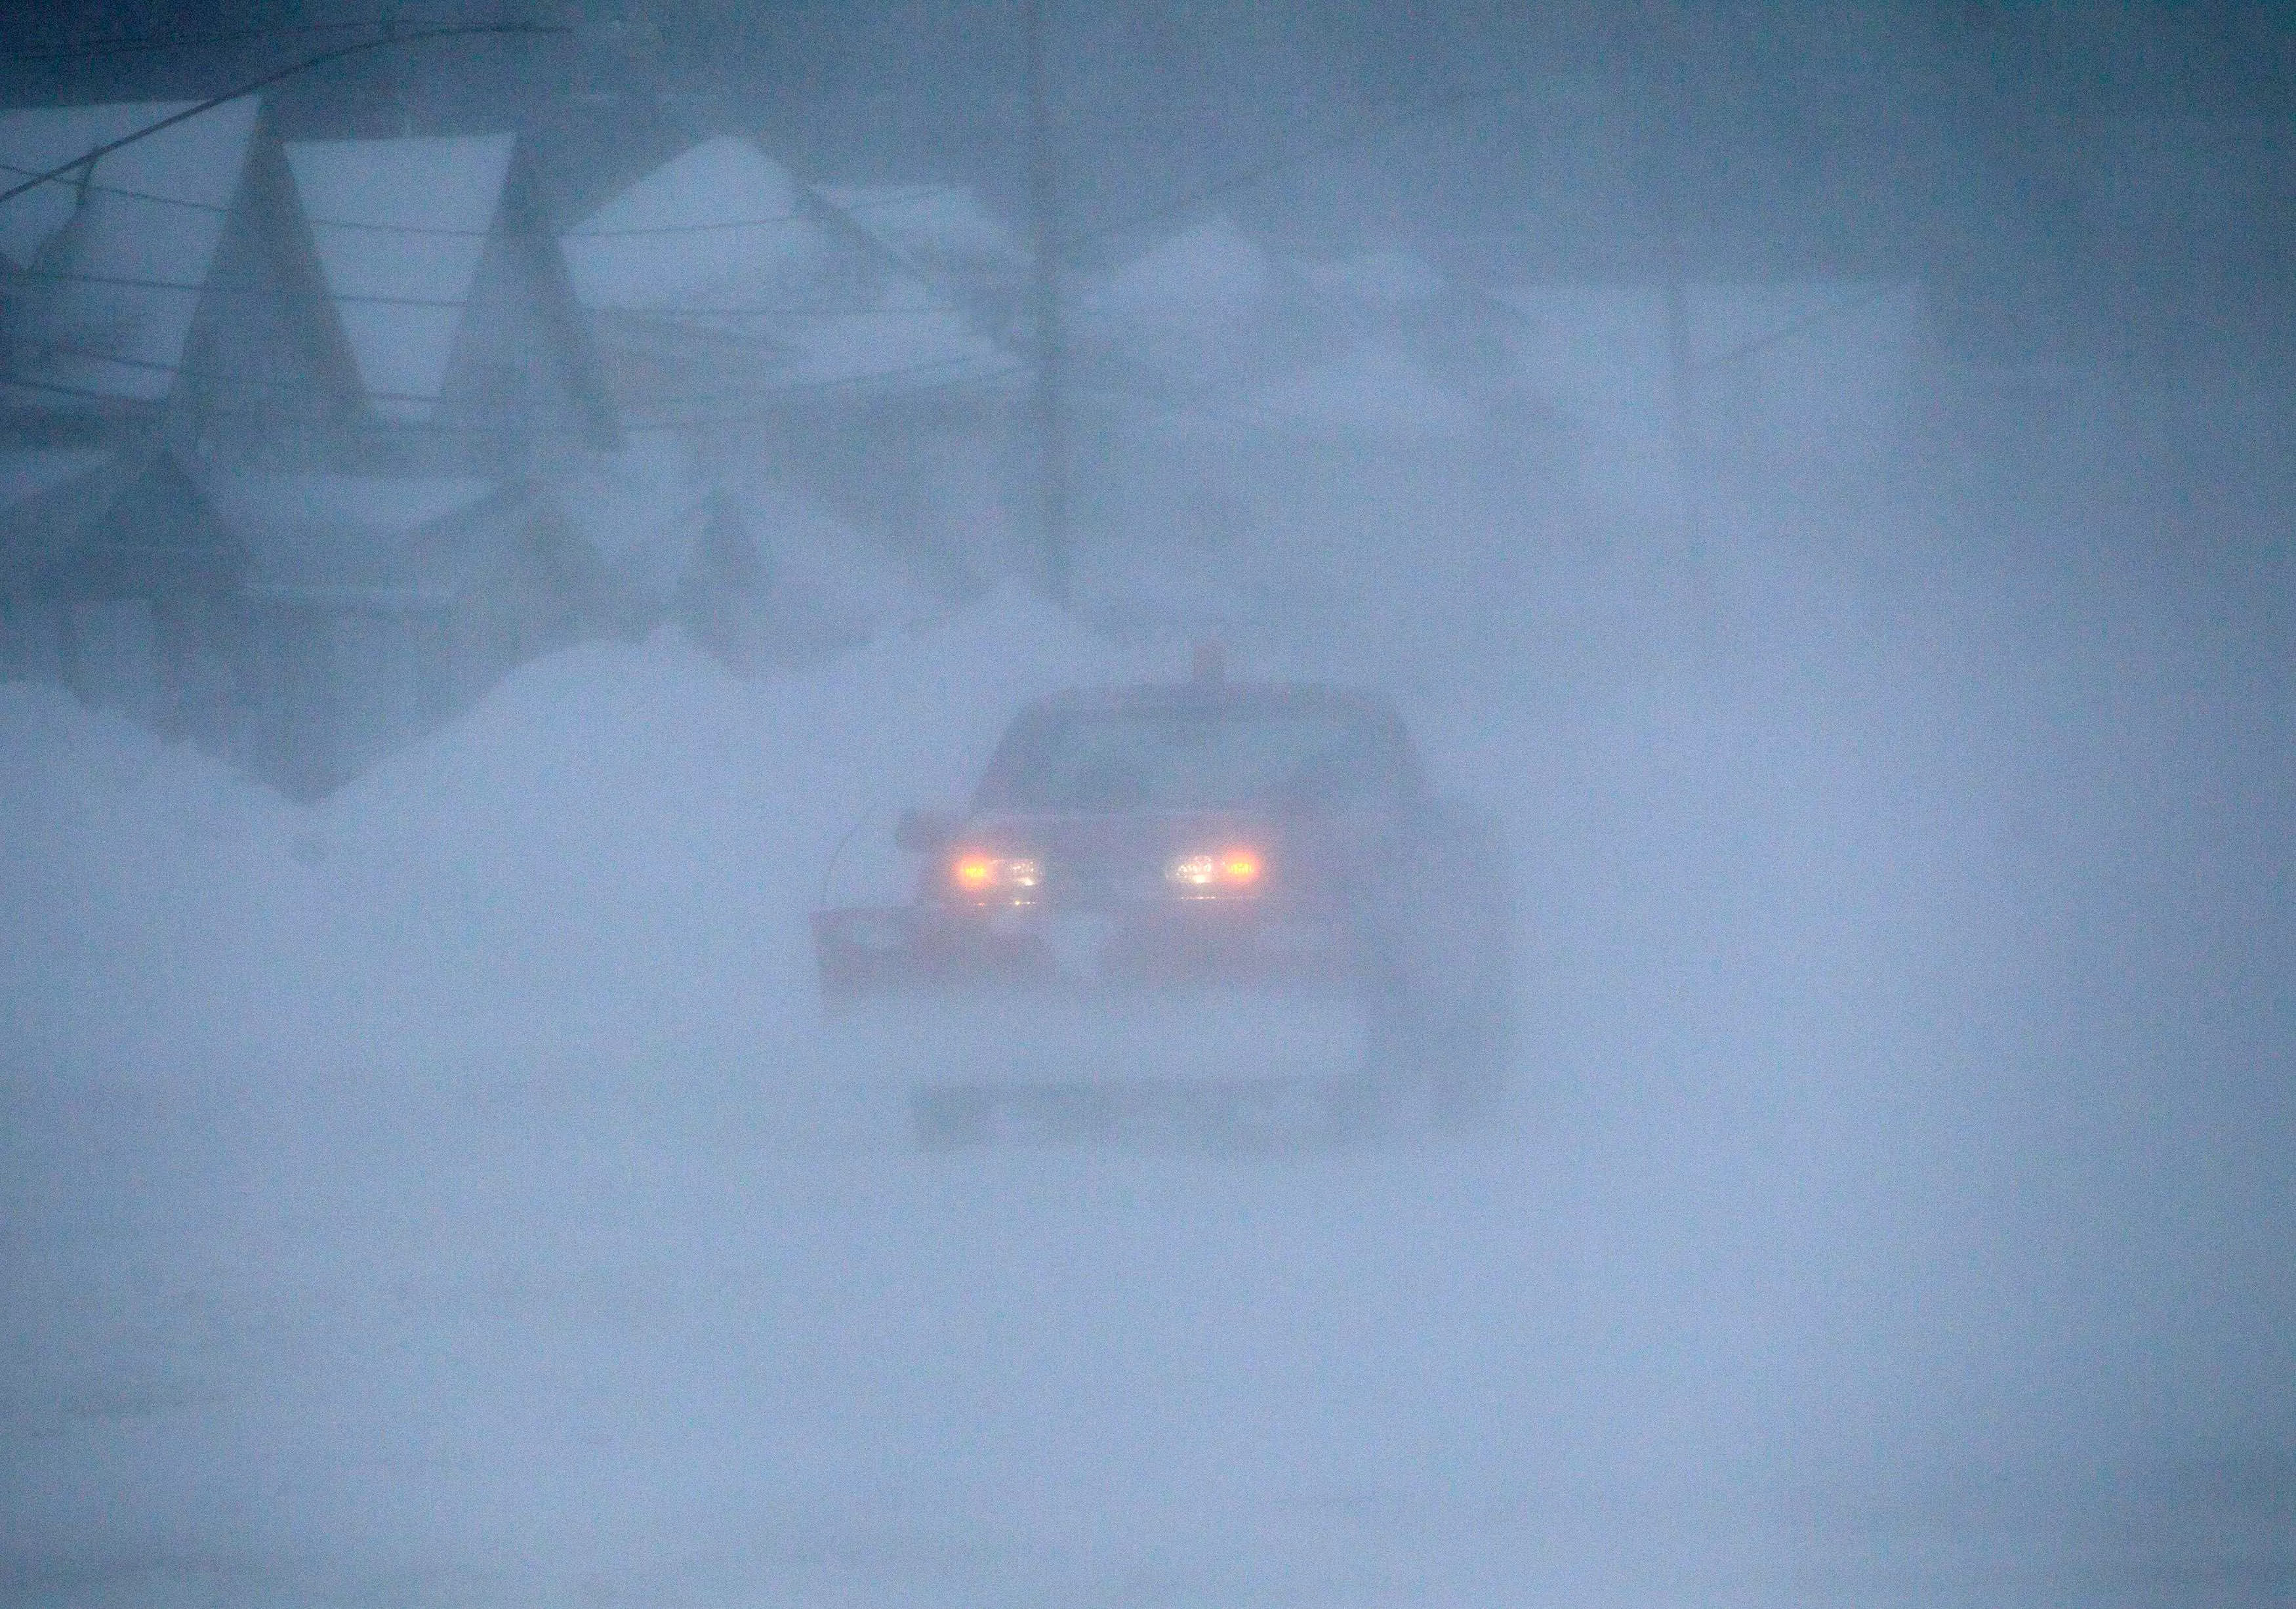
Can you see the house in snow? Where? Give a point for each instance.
(374, 607)
(283, 430)
(402, 558)
(163, 307)
(165, 287)
(790, 347)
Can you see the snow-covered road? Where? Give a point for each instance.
(437, 1196)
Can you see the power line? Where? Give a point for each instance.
(370, 226)
(1789, 330)
(226, 384)
(447, 303)
(199, 288)
(949, 382)
(97, 49)
(88, 158)
(384, 426)
(249, 381)
(1045, 314)
(854, 310)
(26, 383)
(775, 220)
(772, 220)
(1409, 112)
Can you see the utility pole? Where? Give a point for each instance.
(1681, 375)
(1047, 403)
(1669, 61)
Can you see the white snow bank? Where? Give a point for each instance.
(826, 580)
(626, 838)
(156, 906)
(1876, 988)
(621, 838)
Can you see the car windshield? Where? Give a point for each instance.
(1176, 760)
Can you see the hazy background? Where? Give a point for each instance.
(442, 1192)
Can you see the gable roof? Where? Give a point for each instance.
(1212, 273)
(720, 214)
(400, 227)
(721, 245)
(112, 260)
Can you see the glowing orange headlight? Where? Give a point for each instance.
(976, 871)
(1204, 875)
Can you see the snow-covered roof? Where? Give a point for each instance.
(722, 241)
(706, 219)
(113, 257)
(1210, 273)
(318, 534)
(907, 339)
(400, 226)
(942, 226)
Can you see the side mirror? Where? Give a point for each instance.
(924, 832)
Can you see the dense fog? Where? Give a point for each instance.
(1816, 480)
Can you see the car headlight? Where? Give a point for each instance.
(980, 874)
(1210, 873)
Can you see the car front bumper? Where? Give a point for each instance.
(1171, 945)
(1031, 998)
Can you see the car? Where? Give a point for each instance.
(1226, 905)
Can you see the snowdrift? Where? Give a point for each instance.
(404, 1201)
(619, 839)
